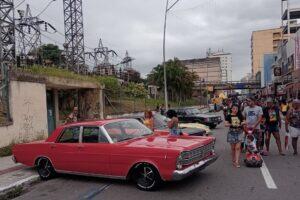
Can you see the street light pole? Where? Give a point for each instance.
(164, 51)
(164, 57)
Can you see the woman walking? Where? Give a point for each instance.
(235, 122)
(292, 123)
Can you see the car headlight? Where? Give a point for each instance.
(178, 162)
(184, 156)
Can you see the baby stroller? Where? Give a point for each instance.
(253, 157)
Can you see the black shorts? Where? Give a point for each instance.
(273, 129)
(284, 113)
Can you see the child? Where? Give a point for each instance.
(251, 146)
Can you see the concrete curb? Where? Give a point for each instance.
(23, 182)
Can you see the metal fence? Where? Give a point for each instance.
(4, 95)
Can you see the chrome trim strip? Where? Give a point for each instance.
(181, 174)
(91, 174)
(106, 134)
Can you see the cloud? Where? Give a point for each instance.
(193, 27)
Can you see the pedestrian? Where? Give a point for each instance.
(162, 109)
(235, 122)
(227, 108)
(273, 125)
(157, 109)
(149, 121)
(173, 124)
(253, 115)
(284, 107)
(73, 116)
(292, 123)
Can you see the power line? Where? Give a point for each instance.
(50, 2)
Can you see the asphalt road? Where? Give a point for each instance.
(218, 181)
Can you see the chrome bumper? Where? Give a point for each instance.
(181, 174)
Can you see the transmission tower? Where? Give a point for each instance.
(101, 55)
(127, 61)
(29, 31)
(7, 31)
(74, 36)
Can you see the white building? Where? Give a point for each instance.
(226, 63)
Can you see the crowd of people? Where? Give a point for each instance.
(262, 119)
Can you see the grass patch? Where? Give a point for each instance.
(58, 72)
(6, 151)
(16, 192)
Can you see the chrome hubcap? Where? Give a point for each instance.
(45, 168)
(146, 177)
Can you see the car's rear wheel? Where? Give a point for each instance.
(146, 177)
(45, 169)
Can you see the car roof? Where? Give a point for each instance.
(93, 123)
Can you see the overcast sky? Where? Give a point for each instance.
(193, 27)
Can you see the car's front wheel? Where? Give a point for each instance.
(146, 177)
(45, 169)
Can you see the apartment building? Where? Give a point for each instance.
(262, 42)
(207, 69)
(226, 63)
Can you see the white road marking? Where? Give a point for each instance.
(267, 176)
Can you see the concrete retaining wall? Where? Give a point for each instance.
(29, 117)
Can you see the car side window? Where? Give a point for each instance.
(70, 135)
(93, 135)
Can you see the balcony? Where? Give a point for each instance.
(294, 14)
(294, 27)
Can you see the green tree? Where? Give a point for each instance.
(50, 54)
(135, 90)
(180, 81)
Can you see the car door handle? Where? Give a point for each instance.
(53, 146)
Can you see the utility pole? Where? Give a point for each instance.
(97, 55)
(164, 51)
(7, 33)
(74, 36)
(29, 29)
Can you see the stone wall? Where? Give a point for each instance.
(28, 112)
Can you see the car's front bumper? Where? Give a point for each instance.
(181, 174)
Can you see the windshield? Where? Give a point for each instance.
(160, 121)
(204, 111)
(125, 130)
(193, 111)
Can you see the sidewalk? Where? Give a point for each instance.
(13, 175)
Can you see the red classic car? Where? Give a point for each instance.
(122, 149)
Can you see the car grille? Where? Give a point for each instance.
(195, 155)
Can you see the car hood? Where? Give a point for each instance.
(206, 115)
(169, 142)
(187, 130)
(192, 131)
